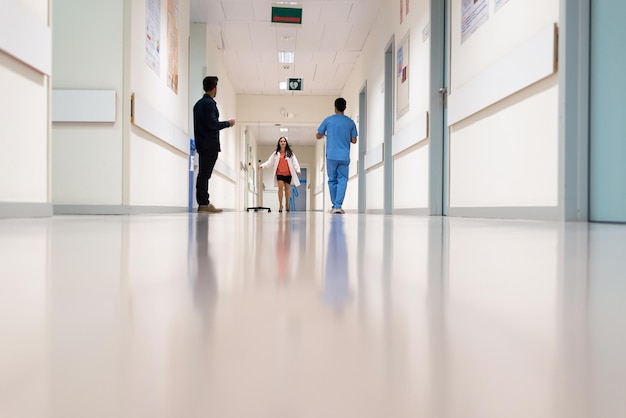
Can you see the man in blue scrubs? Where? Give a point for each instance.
(340, 132)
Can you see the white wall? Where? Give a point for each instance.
(88, 54)
(114, 167)
(410, 167)
(411, 179)
(306, 110)
(24, 135)
(157, 172)
(506, 155)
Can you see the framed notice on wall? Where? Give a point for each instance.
(172, 45)
(402, 77)
(153, 35)
(473, 14)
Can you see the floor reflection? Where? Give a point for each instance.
(283, 247)
(303, 315)
(336, 284)
(203, 273)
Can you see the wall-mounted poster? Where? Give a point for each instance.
(402, 77)
(473, 14)
(402, 11)
(172, 45)
(500, 3)
(153, 34)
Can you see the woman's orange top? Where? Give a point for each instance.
(283, 166)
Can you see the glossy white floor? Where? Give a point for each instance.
(312, 315)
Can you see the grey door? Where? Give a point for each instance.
(607, 124)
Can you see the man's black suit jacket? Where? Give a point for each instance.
(206, 125)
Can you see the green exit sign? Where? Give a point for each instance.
(294, 84)
(291, 15)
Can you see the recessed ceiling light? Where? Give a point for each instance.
(285, 57)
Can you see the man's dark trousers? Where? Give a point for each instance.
(206, 163)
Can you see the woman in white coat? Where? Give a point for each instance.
(286, 170)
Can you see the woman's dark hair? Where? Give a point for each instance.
(288, 152)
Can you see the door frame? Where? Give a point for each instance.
(362, 144)
(438, 178)
(389, 116)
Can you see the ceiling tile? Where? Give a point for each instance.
(286, 38)
(335, 36)
(322, 57)
(304, 71)
(335, 11)
(365, 12)
(311, 12)
(238, 11)
(358, 36)
(262, 10)
(304, 57)
(215, 32)
(325, 72)
(237, 36)
(343, 71)
(206, 11)
(344, 57)
(310, 37)
(263, 36)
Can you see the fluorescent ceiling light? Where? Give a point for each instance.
(284, 129)
(285, 57)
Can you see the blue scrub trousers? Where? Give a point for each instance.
(337, 181)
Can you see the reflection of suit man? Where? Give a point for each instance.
(337, 289)
(205, 285)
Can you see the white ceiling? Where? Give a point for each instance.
(326, 46)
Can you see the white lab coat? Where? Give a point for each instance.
(292, 162)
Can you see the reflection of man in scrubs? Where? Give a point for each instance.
(337, 289)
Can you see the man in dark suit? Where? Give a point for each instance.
(207, 127)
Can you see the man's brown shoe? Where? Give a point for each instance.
(208, 209)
